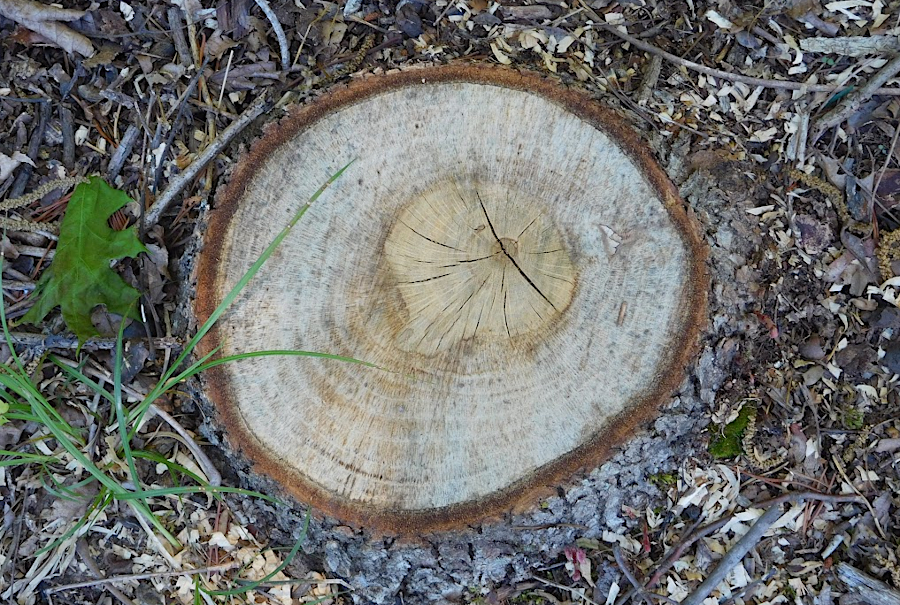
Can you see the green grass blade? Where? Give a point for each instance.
(202, 489)
(121, 416)
(75, 374)
(242, 283)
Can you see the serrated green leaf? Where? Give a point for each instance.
(80, 278)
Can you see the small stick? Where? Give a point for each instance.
(851, 104)
(36, 252)
(117, 161)
(566, 588)
(713, 527)
(52, 341)
(623, 565)
(843, 473)
(143, 576)
(19, 285)
(176, 26)
(34, 147)
(650, 80)
(154, 213)
(67, 126)
(152, 537)
(733, 556)
(279, 33)
(212, 474)
(718, 73)
(623, 309)
(884, 167)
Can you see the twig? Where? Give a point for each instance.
(279, 33)
(733, 556)
(213, 476)
(751, 81)
(166, 146)
(746, 590)
(176, 26)
(546, 596)
(843, 473)
(52, 341)
(154, 213)
(851, 104)
(566, 588)
(46, 254)
(84, 552)
(623, 566)
(381, 30)
(18, 285)
(884, 167)
(650, 80)
(67, 126)
(117, 161)
(34, 147)
(153, 539)
(143, 576)
(694, 536)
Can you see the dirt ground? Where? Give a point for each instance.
(778, 123)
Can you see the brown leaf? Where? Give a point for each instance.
(45, 20)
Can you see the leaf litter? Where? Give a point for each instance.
(816, 357)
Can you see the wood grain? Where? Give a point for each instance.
(481, 247)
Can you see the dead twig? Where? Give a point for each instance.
(734, 556)
(751, 81)
(279, 33)
(117, 161)
(843, 473)
(52, 341)
(176, 26)
(650, 80)
(851, 104)
(694, 535)
(34, 148)
(212, 474)
(133, 577)
(44, 19)
(641, 593)
(566, 588)
(154, 213)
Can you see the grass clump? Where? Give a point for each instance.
(22, 398)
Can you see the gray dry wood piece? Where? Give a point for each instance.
(867, 588)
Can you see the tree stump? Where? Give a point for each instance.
(506, 250)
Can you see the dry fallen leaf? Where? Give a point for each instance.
(44, 20)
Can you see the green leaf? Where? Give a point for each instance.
(80, 278)
(728, 445)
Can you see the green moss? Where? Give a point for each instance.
(854, 420)
(663, 480)
(728, 444)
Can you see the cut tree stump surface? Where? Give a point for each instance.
(505, 249)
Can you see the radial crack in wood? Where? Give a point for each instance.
(482, 247)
